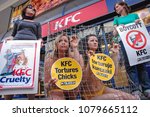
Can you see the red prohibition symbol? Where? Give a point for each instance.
(136, 39)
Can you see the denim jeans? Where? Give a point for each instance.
(137, 73)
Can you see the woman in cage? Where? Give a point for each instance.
(64, 47)
(92, 88)
(136, 73)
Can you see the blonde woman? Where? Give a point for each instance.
(64, 47)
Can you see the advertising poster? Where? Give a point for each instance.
(44, 5)
(16, 14)
(20, 65)
(136, 41)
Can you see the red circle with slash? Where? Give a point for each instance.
(139, 38)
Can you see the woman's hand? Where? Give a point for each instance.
(9, 38)
(115, 32)
(42, 42)
(137, 21)
(74, 41)
(115, 48)
(51, 83)
(90, 53)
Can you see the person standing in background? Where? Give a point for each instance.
(26, 29)
(137, 73)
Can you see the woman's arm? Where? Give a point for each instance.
(76, 55)
(88, 70)
(49, 82)
(115, 32)
(39, 34)
(14, 32)
(137, 19)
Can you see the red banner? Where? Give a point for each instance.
(80, 16)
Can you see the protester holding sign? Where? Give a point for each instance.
(64, 47)
(137, 73)
(26, 29)
(92, 87)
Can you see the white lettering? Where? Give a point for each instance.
(74, 16)
(64, 22)
(68, 19)
(59, 24)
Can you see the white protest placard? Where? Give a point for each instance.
(20, 67)
(136, 41)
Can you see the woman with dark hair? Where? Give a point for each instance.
(137, 73)
(93, 88)
(63, 47)
(26, 29)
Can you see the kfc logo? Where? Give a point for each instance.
(65, 21)
(20, 72)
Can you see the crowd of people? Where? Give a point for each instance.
(90, 88)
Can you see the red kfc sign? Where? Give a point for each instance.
(85, 14)
(63, 22)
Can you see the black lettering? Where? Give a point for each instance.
(101, 58)
(138, 53)
(141, 52)
(63, 63)
(66, 110)
(144, 51)
(140, 24)
(13, 110)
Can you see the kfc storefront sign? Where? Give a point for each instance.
(74, 18)
(85, 14)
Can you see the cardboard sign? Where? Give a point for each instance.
(19, 69)
(68, 72)
(102, 66)
(136, 41)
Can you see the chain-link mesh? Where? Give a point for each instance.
(108, 45)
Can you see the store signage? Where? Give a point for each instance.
(65, 21)
(75, 18)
